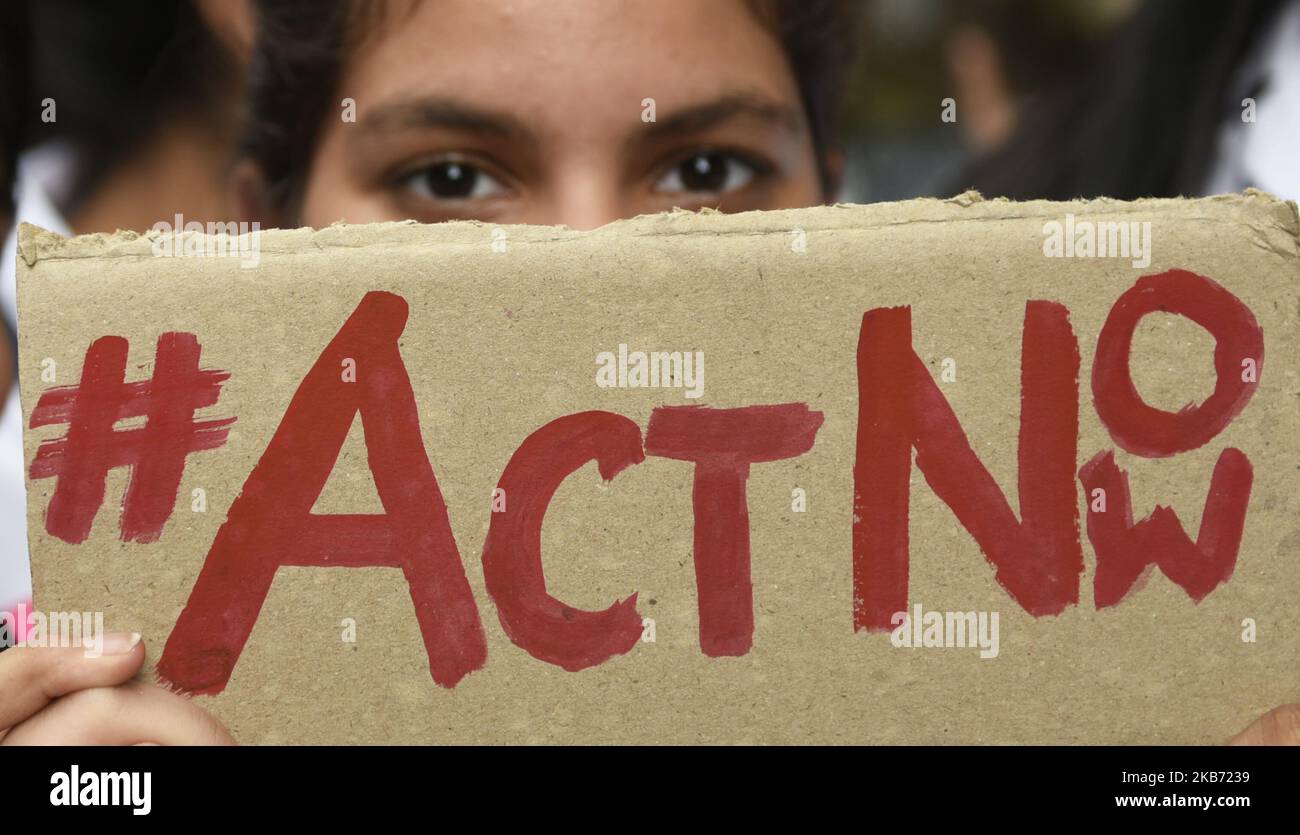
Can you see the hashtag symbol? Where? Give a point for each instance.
(155, 451)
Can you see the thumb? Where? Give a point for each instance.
(32, 677)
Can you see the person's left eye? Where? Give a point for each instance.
(709, 172)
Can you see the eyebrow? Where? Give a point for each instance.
(701, 117)
(440, 112)
(427, 112)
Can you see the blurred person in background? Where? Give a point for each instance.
(941, 81)
(12, 70)
(1181, 102)
(1001, 53)
(125, 113)
(115, 115)
(14, 581)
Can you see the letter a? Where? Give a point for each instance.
(270, 523)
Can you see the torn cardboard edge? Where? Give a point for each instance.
(1282, 232)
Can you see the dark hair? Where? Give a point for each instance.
(13, 73)
(820, 39)
(117, 72)
(1143, 122)
(301, 47)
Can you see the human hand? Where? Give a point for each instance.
(1280, 726)
(62, 696)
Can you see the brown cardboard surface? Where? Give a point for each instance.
(503, 339)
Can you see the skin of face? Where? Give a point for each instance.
(536, 111)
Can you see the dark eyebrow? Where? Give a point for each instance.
(701, 117)
(439, 112)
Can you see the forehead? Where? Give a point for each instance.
(569, 64)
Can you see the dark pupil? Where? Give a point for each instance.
(451, 179)
(704, 172)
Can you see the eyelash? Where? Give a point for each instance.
(759, 168)
(410, 175)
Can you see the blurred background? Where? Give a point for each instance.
(991, 57)
(1036, 81)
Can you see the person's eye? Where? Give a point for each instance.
(709, 172)
(452, 180)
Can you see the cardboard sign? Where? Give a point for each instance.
(956, 471)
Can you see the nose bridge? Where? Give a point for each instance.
(585, 191)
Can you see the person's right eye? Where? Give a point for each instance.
(452, 179)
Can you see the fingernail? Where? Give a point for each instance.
(120, 643)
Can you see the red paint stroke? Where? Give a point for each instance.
(1155, 433)
(542, 625)
(1126, 552)
(1038, 560)
(270, 523)
(155, 452)
(723, 443)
